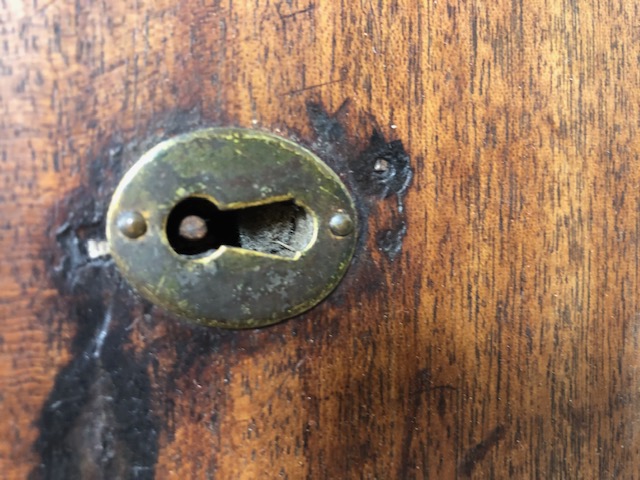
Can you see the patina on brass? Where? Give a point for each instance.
(235, 169)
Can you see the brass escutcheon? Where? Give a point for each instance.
(231, 227)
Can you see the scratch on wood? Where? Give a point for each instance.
(312, 87)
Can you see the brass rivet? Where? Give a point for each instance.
(193, 227)
(132, 224)
(341, 224)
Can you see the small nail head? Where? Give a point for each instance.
(132, 224)
(341, 224)
(381, 165)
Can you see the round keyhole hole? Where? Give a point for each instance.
(197, 226)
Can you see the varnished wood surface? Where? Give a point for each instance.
(489, 325)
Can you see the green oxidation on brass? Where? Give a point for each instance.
(234, 168)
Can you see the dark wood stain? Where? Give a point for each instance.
(476, 454)
(488, 327)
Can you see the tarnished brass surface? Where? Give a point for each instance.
(233, 286)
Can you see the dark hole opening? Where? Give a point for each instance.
(221, 227)
(196, 226)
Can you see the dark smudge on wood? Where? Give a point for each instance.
(480, 451)
(372, 184)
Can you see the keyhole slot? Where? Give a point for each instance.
(196, 226)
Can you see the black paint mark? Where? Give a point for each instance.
(98, 421)
(328, 127)
(383, 170)
(286, 16)
(395, 174)
(379, 172)
(479, 451)
(389, 241)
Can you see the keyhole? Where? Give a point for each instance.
(196, 226)
(217, 227)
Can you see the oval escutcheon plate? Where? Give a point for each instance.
(231, 227)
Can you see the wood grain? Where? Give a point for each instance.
(489, 325)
